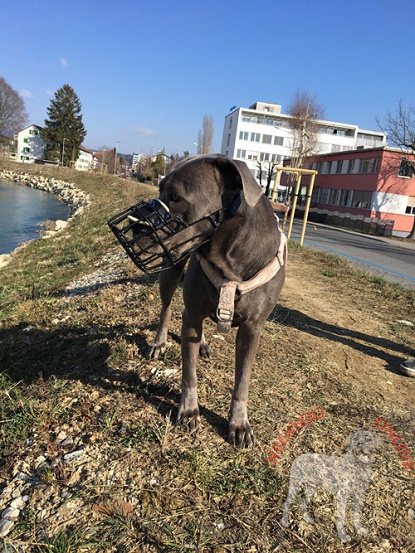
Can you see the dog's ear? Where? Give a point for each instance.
(252, 190)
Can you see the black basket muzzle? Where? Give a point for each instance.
(146, 232)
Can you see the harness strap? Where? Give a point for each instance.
(227, 288)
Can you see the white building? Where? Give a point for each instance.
(30, 146)
(262, 133)
(85, 161)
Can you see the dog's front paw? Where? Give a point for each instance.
(155, 350)
(240, 435)
(204, 350)
(188, 419)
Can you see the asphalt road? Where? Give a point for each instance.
(390, 259)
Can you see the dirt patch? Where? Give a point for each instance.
(91, 445)
(351, 331)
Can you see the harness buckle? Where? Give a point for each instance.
(225, 309)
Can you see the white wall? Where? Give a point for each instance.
(390, 203)
(27, 138)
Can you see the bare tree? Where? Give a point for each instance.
(270, 176)
(305, 112)
(400, 130)
(13, 114)
(205, 136)
(400, 127)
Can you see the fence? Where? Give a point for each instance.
(359, 223)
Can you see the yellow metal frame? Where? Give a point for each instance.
(300, 172)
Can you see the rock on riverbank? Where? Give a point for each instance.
(77, 200)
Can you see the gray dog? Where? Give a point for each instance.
(245, 242)
(213, 207)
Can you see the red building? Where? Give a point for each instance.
(376, 184)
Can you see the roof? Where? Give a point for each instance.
(319, 122)
(84, 149)
(30, 126)
(7, 140)
(363, 151)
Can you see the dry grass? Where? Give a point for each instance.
(76, 364)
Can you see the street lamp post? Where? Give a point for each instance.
(103, 158)
(115, 157)
(63, 150)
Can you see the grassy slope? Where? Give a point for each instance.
(76, 364)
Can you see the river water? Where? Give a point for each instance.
(22, 210)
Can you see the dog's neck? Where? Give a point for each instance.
(235, 248)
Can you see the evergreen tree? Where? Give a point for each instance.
(64, 131)
(159, 165)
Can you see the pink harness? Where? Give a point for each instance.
(227, 288)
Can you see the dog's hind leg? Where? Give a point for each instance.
(168, 282)
(204, 350)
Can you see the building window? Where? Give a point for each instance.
(410, 208)
(352, 166)
(345, 197)
(26, 140)
(278, 140)
(325, 194)
(230, 122)
(362, 199)
(276, 158)
(229, 140)
(335, 197)
(241, 154)
(339, 166)
(243, 135)
(369, 165)
(26, 150)
(267, 139)
(406, 169)
(255, 137)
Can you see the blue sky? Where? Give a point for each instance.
(147, 72)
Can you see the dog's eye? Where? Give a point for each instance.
(175, 197)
